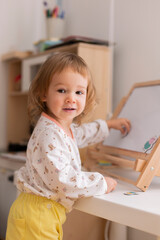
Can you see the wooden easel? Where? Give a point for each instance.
(148, 164)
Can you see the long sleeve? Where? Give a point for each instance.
(90, 133)
(60, 169)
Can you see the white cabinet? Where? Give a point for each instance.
(30, 67)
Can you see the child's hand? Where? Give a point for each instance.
(111, 184)
(121, 124)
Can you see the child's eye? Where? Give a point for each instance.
(79, 92)
(61, 90)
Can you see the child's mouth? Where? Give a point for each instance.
(69, 109)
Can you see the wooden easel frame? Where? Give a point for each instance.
(147, 164)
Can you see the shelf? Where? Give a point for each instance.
(18, 93)
(15, 55)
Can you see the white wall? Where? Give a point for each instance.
(137, 51)
(21, 24)
(87, 18)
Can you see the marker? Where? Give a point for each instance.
(61, 15)
(45, 3)
(125, 131)
(55, 12)
(48, 13)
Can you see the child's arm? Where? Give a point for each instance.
(90, 133)
(121, 124)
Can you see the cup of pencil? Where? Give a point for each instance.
(55, 23)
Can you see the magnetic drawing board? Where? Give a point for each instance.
(142, 108)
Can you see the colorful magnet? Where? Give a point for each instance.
(105, 163)
(149, 144)
(130, 193)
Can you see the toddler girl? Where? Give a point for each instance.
(52, 180)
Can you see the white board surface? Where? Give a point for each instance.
(143, 110)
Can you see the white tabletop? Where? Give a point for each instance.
(141, 211)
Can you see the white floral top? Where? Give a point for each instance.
(53, 166)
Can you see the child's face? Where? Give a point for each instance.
(66, 96)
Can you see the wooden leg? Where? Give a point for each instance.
(117, 231)
(149, 170)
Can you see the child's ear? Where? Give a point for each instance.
(44, 98)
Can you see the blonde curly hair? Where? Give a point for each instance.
(40, 84)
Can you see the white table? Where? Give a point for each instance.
(141, 211)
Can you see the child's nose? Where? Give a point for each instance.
(70, 98)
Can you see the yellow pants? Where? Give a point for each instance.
(35, 218)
